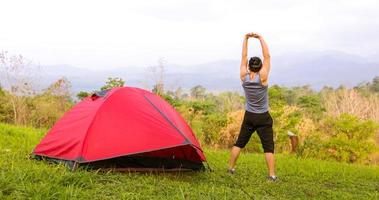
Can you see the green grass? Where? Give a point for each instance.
(21, 178)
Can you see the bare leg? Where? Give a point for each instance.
(270, 161)
(234, 156)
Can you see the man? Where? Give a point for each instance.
(254, 77)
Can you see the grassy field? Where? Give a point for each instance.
(21, 178)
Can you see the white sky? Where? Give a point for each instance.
(101, 34)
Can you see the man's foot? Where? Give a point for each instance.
(231, 171)
(272, 178)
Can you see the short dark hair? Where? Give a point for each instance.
(255, 64)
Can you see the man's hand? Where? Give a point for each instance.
(256, 35)
(248, 35)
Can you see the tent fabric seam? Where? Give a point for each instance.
(168, 120)
(172, 124)
(90, 125)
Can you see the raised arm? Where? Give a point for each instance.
(264, 72)
(243, 67)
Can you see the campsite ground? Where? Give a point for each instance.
(22, 178)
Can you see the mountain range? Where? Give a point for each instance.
(291, 69)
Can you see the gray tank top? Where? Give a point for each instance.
(256, 94)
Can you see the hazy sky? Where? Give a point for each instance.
(101, 34)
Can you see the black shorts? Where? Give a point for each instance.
(260, 122)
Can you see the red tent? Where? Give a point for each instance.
(125, 128)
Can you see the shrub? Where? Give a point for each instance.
(230, 132)
(213, 123)
(352, 127)
(345, 139)
(6, 110)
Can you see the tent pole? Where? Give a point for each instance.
(75, 166)
(209, 167)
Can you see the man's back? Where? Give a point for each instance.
(256, 94)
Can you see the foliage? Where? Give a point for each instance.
(109, 84)
(158, 89)
(203, 107)
(229, 133)
(45, 111)
(18, 77)
(82, 94)
(48, 107)
(156, 75)
(370, 87)
(292, 95)
(375, 84)
(112, 83)
(174, 102)
(213, 123)
(6, 110)
(277, 97)
(228, 102)
(347, 139)
(288, 120)
(333, 124)
(216, 120)
(351, 127)
(312, 105)
(41, 110)
(351, 101)
(198, 92)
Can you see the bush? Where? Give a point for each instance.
(230, 132)
(345, 139)
(203, 107)
(46, 109)
(277, 97)
(286, 119)
(346, 150)
(6, 110)
(213, 123)
(352, 127)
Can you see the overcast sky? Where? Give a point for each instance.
(102, 34)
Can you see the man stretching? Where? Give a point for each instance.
(254, 77)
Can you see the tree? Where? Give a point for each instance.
(112, 83)
(311, 104)
(17, 79)
(375, 84)
(48, 107)
(277, 96)
(157, 73)
(352, 102)
(6, 111)
(1, 90)
(198, 92)
(82, 94)
(158, 89)
(229, 101)
(60, 87)
(178, 93)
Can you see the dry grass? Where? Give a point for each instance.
(351, 102)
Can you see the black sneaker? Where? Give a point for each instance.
(231, 171)
(272, 178)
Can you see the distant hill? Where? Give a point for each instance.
(294, 69)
